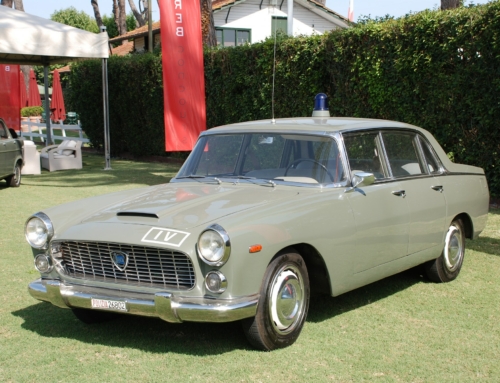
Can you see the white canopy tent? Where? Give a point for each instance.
(30, 40)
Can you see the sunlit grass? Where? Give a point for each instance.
(401, 329)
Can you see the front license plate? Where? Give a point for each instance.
(105, 304)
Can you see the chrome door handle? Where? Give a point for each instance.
(399, 193)
(438, 188)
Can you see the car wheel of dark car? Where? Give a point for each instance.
(15, 179)
(93, 316)
(283, 305)
(447, 267)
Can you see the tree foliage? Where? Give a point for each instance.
(78, 19)
(112, 29)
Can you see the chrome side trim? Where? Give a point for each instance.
(167, 306)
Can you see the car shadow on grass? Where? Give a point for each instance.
(156, 336)
(324, 307)
(147, 334)
(486, 245)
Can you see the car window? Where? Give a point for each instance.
(402, 154)
(363, 151)
(220, 154)
(284, 157)
(429, 158)
(3, 132)
(263, 151)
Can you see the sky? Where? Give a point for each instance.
(374, 8)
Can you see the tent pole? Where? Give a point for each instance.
(105, 96)
(107, 154)
(46, 106)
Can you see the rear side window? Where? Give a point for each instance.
(429, 158)
(402, 154)
(3, 131)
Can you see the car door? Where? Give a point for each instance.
(412, 165)
(5, 166)
(380, 212)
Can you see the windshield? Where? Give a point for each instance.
(279, 157)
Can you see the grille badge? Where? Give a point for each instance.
(119, 259)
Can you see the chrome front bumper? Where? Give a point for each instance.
(166, 306)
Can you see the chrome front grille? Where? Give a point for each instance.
(147, 266)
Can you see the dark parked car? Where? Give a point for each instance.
(11, 156)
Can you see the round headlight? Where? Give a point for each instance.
(214, 246)
(38, 230)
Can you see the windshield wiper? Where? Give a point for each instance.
(197, 178)
(191, 176)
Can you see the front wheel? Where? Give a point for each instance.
(447, 267)
(283, 305)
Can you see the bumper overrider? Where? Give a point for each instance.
(167, 306)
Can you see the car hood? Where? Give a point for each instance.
(184, 206)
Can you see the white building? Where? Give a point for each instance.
(250, 21)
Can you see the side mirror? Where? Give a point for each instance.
(360, 179)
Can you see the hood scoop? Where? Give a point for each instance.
(137, 214)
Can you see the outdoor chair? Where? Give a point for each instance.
(72, 118)
(66, 155)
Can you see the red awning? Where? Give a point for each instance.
(34, 94)
(23, 96)
(57, 105)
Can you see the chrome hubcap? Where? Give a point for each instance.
(286, 301)
(453, 251)
(17, 175)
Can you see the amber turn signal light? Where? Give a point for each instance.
(255, 248)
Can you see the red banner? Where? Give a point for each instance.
(183, 73)
(10, 100)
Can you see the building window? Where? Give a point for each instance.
(279, 24)
(230, 37)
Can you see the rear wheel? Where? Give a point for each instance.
(93, 316)
(447, 267)
(283, 305)
(15, 179)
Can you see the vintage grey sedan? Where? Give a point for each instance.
(261, 215)
(11, 156)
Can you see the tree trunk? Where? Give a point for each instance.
(137, 14)
(120, 14)
(207, 23)
(122, 17)
(145, 9)
(19, 5)
(97, 13)
(7, 3)
(450, 4)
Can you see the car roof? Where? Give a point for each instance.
(318, 125)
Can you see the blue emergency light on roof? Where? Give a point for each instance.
(321, 106)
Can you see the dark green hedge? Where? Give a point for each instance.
(135, 103)
(439, 70)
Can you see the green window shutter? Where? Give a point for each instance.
(279, 24)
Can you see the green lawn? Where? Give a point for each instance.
(401, 329)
